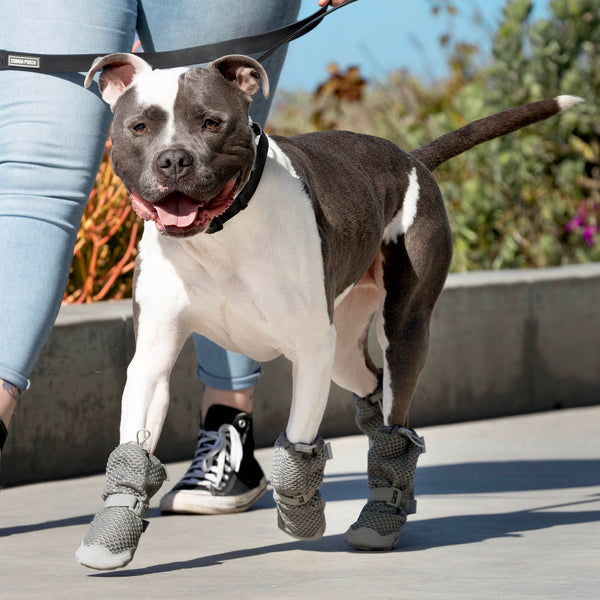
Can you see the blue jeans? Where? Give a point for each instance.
(52, 135)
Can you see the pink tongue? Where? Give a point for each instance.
(178, 211)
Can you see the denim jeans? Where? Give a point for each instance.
(52, 135)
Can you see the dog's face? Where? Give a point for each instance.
(181, 139)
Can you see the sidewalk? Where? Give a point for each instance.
(508, 508)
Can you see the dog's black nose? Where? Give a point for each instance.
(174, 163)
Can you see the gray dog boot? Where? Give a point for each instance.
(369, 416)
(296, 476)
(392, 466)
(132, 478)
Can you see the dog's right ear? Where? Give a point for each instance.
(118, 73)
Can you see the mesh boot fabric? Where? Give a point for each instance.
(392, 465)
(296, 476)
(132, 478)
(368, 411)
(224, 476)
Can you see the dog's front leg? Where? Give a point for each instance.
(133, 474)
(300, 453)
(146, 395)
(311, 382)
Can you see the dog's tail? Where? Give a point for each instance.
(452, 144)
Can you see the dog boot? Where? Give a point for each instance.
(296, 476)
(132, 478)
(392, 466)
(369, 416)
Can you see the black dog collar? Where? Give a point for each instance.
(241, 200)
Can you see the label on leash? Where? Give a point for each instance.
(28, 62)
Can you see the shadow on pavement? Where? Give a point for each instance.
(33, 527)
(469, 529)
(480, 478)
(464, 478)
(419, 536)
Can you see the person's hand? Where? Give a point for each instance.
(334, 3)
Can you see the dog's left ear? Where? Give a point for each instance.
(118, 73)
(245, 71)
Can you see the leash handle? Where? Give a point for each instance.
(269, 41)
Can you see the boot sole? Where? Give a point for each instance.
(98, 557)
(369, 540)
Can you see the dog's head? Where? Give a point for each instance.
(181, 139)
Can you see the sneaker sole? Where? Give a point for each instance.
(195, 502)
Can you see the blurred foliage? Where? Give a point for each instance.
(106, 245)
(339, 89)
(531, 199)
(527, 200)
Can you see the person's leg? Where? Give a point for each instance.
(228, 378)
(52, 134)
(8, 401)
(223, 476)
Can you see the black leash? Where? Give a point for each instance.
(267, 42)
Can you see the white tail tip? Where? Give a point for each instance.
(565, 102)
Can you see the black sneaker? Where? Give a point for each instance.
(224, 476)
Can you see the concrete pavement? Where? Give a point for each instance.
(508, 508)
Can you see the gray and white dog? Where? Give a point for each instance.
(340, 227)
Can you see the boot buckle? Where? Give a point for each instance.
(129, 501)
(391, 496)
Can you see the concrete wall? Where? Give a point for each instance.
(501, 343)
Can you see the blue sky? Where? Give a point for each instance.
(382, 35)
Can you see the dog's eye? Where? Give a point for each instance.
(140, 128)
(211, 124)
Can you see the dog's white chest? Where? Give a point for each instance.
(251, 287)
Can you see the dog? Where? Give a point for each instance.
(337, 228)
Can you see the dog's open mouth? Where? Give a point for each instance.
(178, 214)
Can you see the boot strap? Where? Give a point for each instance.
(313, 448)
(411, 434)
(392, 497)
(129, 501)
(293, 500)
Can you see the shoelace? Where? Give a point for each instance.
(219, 453)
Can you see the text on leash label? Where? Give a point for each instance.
(29, 62)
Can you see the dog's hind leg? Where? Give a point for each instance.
(353, 368)
(300, 453)
(415, 268)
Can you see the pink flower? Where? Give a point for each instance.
(573, 224)
(588, 235)
(586, 220)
